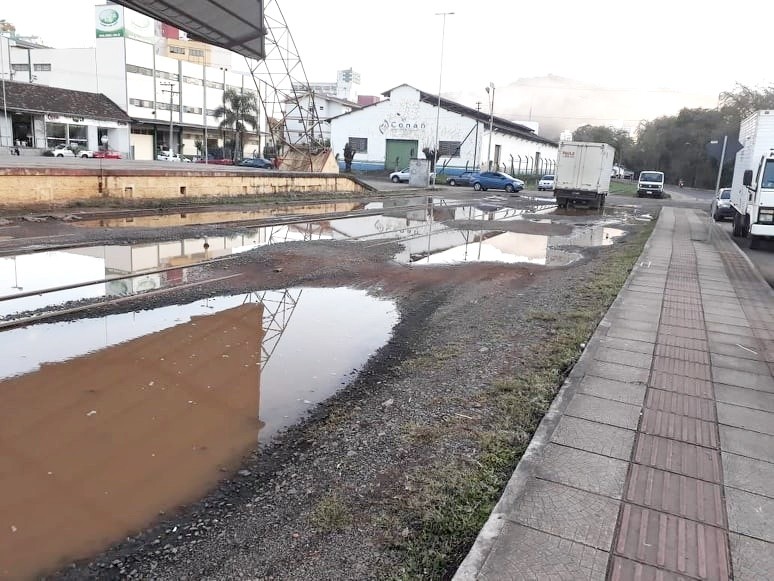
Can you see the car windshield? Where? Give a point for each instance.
(651, 176)
(725, 194)
(549, 178)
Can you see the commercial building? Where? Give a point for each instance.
(170, 86)
(37, 116)
(387, 134)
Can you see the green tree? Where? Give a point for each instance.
(618, 138)
(238, 112)
(743, 100)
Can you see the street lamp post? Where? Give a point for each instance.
(437, 145)
(172, 94)
(490, 90)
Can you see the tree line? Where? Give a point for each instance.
(679, 145)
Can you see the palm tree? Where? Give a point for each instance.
(238, 112)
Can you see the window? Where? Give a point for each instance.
(359, 144)
(42, 66)
(141, 103)
(176, 50)
(20, 68)
(79, 134)
(197, 110)
(214, 85)
(139, 70)
(449, 148)
(196, 52)
(192, 81)
(166, 75)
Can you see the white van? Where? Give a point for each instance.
(651, 183)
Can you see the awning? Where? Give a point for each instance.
(236, 25)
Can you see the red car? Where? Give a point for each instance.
(106, 154)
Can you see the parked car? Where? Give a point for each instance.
(546, 183)
(721, 205)
(255, 162)
(466, 178)
(166, 155)
(61, 151)
(106, 154)
(403, 176)
(497, 180)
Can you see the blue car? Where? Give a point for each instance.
(497, 180)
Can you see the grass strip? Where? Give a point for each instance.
(453, 500)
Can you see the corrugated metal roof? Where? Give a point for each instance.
(232, 24)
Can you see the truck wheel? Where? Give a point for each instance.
(754, 242)
(746, 227)
(737, 229)
(602, 202)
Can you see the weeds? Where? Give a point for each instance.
(453, 501)
(331, 514)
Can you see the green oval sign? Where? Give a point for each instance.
(108, 17)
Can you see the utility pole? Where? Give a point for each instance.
(722, 161)
(172, 94)
(475, 147)
(491, 124)
(437, 146)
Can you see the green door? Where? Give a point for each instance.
(399, 152)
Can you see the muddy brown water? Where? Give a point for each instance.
(105, 423)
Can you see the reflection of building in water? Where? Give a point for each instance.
(124, 433)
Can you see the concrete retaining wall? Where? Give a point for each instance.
(26, 187)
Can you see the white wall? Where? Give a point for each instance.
(403, 116)
(71, 68)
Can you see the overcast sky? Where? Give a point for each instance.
(683, 45)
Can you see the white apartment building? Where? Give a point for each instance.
(326, 107)
(159, 78)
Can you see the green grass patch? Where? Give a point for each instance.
(623, 188)
(331, 514)
(452, 501)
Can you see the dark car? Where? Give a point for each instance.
(721, 205)
(497, 180)
(256, 162)
(466, 178)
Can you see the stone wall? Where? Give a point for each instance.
(28, 187)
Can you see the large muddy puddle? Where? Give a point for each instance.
(107, 422)
(431, 231)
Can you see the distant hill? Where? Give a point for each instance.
(559, 103)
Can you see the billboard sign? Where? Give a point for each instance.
(109, 20)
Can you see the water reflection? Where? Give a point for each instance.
(105, 422)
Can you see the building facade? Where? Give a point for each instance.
(169, 86)
(387, 134)
(327, 106)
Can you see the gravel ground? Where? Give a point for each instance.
(338, 496)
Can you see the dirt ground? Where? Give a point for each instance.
(346, 494)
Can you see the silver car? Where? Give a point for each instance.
(546, 183)
(721, 205)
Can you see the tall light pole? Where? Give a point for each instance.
(437, 146)
(5, 106)
(172, 94)
(490, 90)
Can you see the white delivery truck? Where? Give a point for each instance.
(752, 187)
(650, 183)
(583, 173)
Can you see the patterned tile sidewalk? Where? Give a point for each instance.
(656, 460)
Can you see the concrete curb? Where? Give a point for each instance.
(526, 468)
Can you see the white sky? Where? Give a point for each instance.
(684, 45)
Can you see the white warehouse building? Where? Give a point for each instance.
(387, 134)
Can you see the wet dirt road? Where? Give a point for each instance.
(116, 432)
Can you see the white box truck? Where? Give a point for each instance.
(752, 187)
(583, 173)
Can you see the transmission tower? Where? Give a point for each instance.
(290, 123)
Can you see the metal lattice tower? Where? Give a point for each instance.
(278, 307)
(290, 122)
